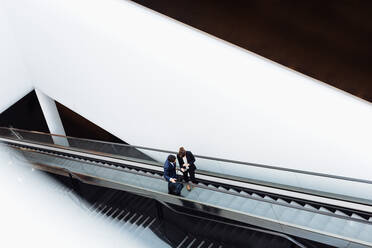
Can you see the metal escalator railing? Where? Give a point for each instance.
(352, 190)
(138, 218)
(255, 206)
(151, 162)
(239, 182)
(142, 170)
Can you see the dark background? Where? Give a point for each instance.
(327, 40)
(27, 114)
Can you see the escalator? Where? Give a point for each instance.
(295, 213)
(137, 214)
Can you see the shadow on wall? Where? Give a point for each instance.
(25, 114)
(76, 125)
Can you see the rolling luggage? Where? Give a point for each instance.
(175, 188)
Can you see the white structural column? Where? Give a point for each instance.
(52, 117)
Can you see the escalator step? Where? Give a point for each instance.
(233, 191)
(116, 211)
(107, 211)
(133, 218)
(123, 216)
(200, 244)
(183, 241)
(100, 208)
(356, 216)
(222, 188)
(255, 195)
(145, 221)
(128, 216)
(244, 193)
(310, 207)
(148, 221)
(210, 245)
(203, 184)
(325, 210)
(295, 204)
(138, 220)
(110, 211)
(191, 243)
(117, 214)
(268, 198)
(340, 213)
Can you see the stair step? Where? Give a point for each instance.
(233, 191)
(244, 193)
(280, 200)
(309, 207)
(295, 204)
(211, 186)
(255, 195)
(200, 245)
(268, 198)
(183, 241)
(191, 243)
(356, 216)
(319, 221)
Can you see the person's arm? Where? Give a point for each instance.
(180, 161)
(166, 172)
(192, 158)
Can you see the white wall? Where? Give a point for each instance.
(15, 81)
(155, 82)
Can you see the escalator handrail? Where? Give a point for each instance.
(200, 172)
(205, 157)
(227, 192)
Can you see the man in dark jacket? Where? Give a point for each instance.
(170, 169)
(170, 175)
(187, 164)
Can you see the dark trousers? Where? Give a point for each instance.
(191, 172)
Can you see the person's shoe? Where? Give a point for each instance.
(188, 187)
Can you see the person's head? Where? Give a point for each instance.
(172, 158)
(182, 151)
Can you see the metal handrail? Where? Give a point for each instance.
(237, 194)
(205, 187)
(206, 157)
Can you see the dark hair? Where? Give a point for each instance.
(171, 158)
